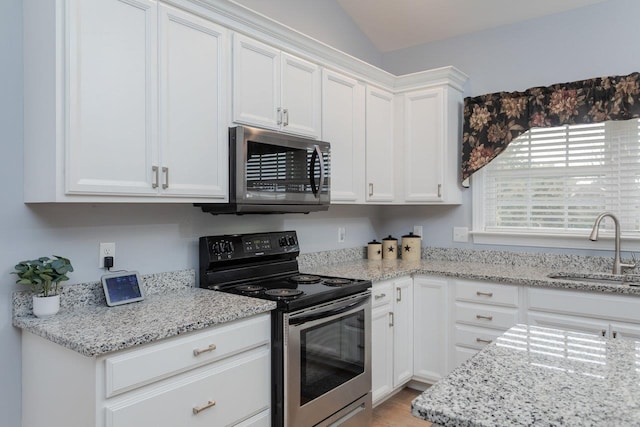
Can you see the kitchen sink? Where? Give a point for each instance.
(602, 278)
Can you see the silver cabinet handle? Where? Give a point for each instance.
(391, 322)
(199, 351)
(603, 332)
(484, 294)
(483, 341)
(614, 334)
(286, 116)
(199, 409)
(479, 316)
(279, 110)
(399, 296)
(165, 171)
(379, 296)
(370, 189)
(154, 184)
(439, 190)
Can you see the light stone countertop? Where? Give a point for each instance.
(508, 273)
(172, 306)
(533, 376)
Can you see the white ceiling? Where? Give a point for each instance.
(398, 24)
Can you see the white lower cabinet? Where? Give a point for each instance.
(612, 316)
(430, 328)
(219, 376)
(482, 311)
(392, 336)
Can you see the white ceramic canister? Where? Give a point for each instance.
(411, 247)
(389, 248)
(374, 250)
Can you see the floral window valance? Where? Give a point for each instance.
(492, 121)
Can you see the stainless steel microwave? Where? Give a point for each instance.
(273, 172)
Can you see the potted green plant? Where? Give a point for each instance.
(44, 275)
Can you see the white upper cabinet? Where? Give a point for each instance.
(380, 151)
(193, 134)
(431, 141)
(343, 118)
(275, 90)
(91, 123)
(111, 97)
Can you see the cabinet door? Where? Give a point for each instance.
(343, 126)
(381, 352)
(379, 145)
(423, 149)
(569, 323)
(193, 136)
(112, 76)
(402, 331)
(256, 83)
(300, 96)
(430, 331)
(619, 330)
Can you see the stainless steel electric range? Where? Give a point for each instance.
(321, 328)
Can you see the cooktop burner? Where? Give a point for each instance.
(305, 278)
(250, 289)
(283, 293)
(336, 281)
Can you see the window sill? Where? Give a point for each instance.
(547, 240)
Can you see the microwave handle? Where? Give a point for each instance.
(316, 154)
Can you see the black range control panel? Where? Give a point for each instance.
(238, 246)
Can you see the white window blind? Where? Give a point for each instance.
(559, 179)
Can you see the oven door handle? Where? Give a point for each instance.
(328, 313)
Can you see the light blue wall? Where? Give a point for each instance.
(597, 40)
(322, 20)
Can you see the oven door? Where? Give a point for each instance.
(328, 361)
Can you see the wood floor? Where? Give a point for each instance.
(396, 411)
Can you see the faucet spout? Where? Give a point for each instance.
(617, 263)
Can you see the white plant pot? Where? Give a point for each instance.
(46, 306)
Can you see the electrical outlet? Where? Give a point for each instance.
(460, 234)
(417, 230)
(342, 234)
(106, 249)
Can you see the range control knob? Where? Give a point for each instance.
(215, 248)
(291, 240)
(282, 241)
(228, 247)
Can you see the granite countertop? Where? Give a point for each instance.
(534, 376)
(86, 325)
(514, 273)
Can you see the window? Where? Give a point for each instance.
(555, 182)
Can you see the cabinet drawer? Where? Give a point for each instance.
(381, 293)
(474, 337)
(224, 394)
(486, 315)
(600, 305)
(487, 293)
(137, 367)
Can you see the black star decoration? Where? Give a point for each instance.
(390, 248)
(407, 248)
(379, 252)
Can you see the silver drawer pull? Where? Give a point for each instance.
(483, 341)
(199, 351)
(484, 294)
(199, 409)
(379, 296)
(479, 316)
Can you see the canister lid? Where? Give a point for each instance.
(390, 238)
(374, 242)
(411, 235)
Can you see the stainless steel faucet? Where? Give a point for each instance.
(617, 264)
